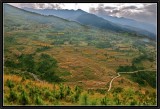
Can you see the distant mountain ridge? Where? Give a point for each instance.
(130, 22)
(67, 14)
(114, 24)
(79, 16)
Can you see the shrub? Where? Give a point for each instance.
(47, 94)
(61, 91)
(27, 86)
(77, 93)
(57, 95)
(76, 96)
(69, 99)
(85, 99)
(103, 45)
(90, 91)
(118, 90)
(117, 100)
(101, 91)
(68, 90)
(104, 101)
(24, 98)
(126, 68)
(10, 40)
(19, 88)
(77, 89)
(31, 93)
(133, 102)
(10, 83)
(12, 96)
(94, 102)
(23, 79)
(38, 101)
(72, 98)
(58, 42)
(12, 64)
(54, 89)
(42, 49)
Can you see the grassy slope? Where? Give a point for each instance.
(43, 93)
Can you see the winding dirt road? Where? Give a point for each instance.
(35, 77)
(139, 71)
(110, 84)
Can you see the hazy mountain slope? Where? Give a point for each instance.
(67, 14)
(80, 16)
(130, 22)
(93, 20)
(23, 15)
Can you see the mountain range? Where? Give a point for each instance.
(130, 22)
(101, 21)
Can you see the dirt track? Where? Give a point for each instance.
(110, 84)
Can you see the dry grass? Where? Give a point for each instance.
(17, 79)
(74, 60)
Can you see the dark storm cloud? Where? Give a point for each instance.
(129, 7)
(109, 7)
(115, 11)
(152, 8)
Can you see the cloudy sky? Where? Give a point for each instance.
(145, 12)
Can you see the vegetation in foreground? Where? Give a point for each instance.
(20, 91)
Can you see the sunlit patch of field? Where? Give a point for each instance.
(148, 65)
(18, 79)
(23, 41)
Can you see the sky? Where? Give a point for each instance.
(144, 12)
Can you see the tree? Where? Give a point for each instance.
(27, 62)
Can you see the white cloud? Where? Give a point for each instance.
(145, 12)
(39, 5)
